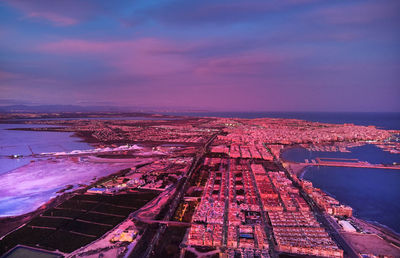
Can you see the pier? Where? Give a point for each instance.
(352, 163)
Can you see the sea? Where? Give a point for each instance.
(18, 142)
(374, 194)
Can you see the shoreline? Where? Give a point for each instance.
(11, 223)
(372, 227)
(104, 136)
(76, 135)
(384, 231)
(381, 226)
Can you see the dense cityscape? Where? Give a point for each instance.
(199, 129)
(191, 187)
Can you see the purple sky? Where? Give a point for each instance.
(286, 55)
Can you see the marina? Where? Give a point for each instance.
(339, 174)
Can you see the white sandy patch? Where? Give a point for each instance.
(26, 188)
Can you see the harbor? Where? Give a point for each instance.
(351, 163)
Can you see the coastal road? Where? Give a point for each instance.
(329, 224)
(325, 220)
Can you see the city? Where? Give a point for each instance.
(199, 129)
(197, 186)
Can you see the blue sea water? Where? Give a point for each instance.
(22, 142)
(373, 194)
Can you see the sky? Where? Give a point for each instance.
(278, 55)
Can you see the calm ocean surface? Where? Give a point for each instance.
(18, 142)
(372, 193)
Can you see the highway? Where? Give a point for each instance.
(264, 218)
(181, 189)
(166, 222)
(226, 210)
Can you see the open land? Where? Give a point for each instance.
(187, 187)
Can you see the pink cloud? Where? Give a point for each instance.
(70, 46)
(154, 57)
(54, 18)
(249, 63)
(340, 36)
(154, 46)
(146, 56)
(58, 13)
(359, 13)
(7, 75)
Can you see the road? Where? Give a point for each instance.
(167, 222)
(329, 225)
(324, 219)
(226, 211)
(264, 217)
(183, 185)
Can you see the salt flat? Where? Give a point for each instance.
(26, 188)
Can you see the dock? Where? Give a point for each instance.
(351, 163)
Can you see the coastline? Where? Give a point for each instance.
(373, 227)
(77, 138)
(11, 223)
(82, 135)
(103, 137)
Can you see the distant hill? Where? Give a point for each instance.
(21, 108)
(65, 108)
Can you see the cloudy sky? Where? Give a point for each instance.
(286, 55)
